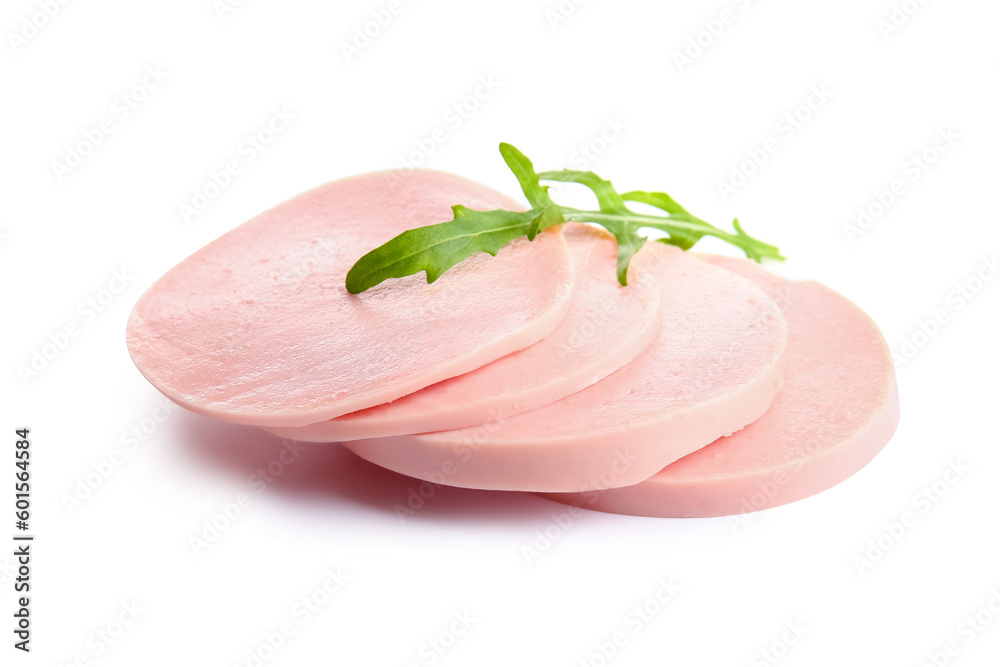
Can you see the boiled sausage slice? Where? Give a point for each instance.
(606, 327)
(714, 367)
(258, 328)
(837, 409)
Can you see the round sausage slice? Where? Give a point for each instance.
(258, 328)
(606, 327)
(714, 367)
(837, 409)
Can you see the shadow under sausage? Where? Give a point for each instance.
(330, 472)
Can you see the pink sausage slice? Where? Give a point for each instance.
(258, 328)
(606, 327)
(836, 411)
(714, 367)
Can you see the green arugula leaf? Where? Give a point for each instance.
(524, 171)
(610, 202)
(660, 200)
(665, 202)
(607, 198)
(629, 243)
(550, 215)
(436, 248)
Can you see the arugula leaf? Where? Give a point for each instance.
(608, 198)
(436, 248)
(550, 215)
(665, 202)
(524, 171)
(612, 203)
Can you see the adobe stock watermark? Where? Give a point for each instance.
(418, 495)
(302, 611)
(723, 359)
(131, 442)
(785, 128)
(699, 42)
(436, 647)
(453, 118)
(583, 157)
(899, 15)
(223, 8)
(911, 171)
(7, 570)
(813, 438)
(77, 152)
(956, 300)
(366, 33)
(217, 180)
(258, 482)
(768, 488)
(595, 321)
(32, 24)
(545, 538)
(110, 633)
(322, 252)
(921, 504)
(972, 626)
(589, 151)
(86, 312)
(633, 623)
(775, 652)
(560, 13)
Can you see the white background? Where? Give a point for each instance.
(558, 85)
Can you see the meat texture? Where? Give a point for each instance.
(258, 328)
(837, 409)
(714, 367)
(606, 327)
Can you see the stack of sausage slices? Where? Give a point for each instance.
(707, 387)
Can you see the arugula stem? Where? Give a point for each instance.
(669, 225)
(436, 248)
